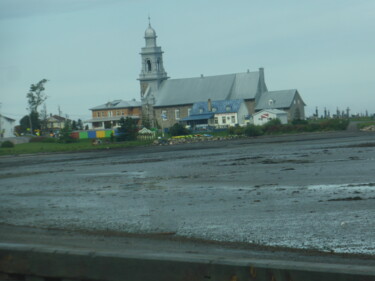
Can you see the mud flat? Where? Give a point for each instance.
(310, 192)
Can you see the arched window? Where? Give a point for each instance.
(148, 65)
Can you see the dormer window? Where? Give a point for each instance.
(201, 110)
(228, 108)
(214, 109)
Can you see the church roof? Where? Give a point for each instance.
(276, 99)
(219, 87)
(118, 104)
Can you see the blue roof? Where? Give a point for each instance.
(198, 117)
(221, 106)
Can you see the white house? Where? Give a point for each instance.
(6, 127)
(219, 114)
(263, 116)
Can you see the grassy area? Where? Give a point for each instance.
(81, 145)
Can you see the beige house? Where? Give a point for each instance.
(108, 115)
(56, 122)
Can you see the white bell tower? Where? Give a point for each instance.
(152, 73)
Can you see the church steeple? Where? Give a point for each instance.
(152, 73)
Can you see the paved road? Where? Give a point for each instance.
(309, 192)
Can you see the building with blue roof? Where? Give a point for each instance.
(217, 114)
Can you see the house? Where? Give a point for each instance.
(6, 127)
(289, 101)
(265, 115)
(218, 114)
(167, 101)
(108, 115)
(56, 122)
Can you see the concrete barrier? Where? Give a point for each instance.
(39, 263)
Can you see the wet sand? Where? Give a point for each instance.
(312, 191)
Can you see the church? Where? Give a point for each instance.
(168, 101)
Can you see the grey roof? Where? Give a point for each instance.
(116, 104)
(276, 99)
(7, 118)
(220, 87)
(220, 106)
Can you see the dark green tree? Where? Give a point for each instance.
(128, 129)
(79, 124)
(74, 125)
(178, 130)
(25, 122)
(65, 133)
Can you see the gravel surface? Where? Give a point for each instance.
(311, 191)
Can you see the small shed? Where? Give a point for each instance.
(263, 116)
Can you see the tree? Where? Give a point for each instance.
(79, 124)
(65, 133)
(35, 96)
(178, 130)
(128, 129)
(74, 125)
(25, 122)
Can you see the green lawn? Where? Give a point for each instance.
(81, 145)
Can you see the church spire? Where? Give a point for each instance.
(152, 73)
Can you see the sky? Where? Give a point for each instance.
(89, 49)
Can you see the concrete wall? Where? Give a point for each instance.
(21, 262)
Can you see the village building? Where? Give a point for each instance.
(217, 114)
(266, 115)
(168, 101)
(108, 115)
(56, 122)
(6, 127)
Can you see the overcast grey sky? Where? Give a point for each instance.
(89, 49)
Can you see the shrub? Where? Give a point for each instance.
(253, 130)
(178, 130)
(7, 144)
(236, 130)
(272, 126)
(127, 130)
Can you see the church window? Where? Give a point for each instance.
(148, 65)
(177, 114)
(158, 65)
